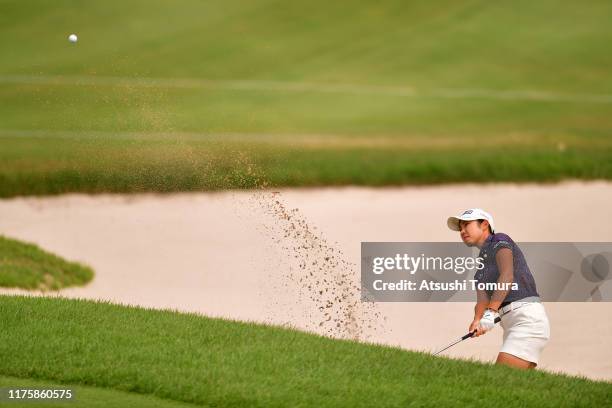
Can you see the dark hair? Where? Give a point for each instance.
(480, 222)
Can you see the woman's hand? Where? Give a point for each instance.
(475, 327)
(487, 321)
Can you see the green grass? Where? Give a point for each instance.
(139, 163)
(85, 397)
(215, 362)
(26, 266)
(309, 93)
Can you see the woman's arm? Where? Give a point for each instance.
(482, 302)
(505, 266)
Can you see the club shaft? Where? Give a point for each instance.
(449, 346)
(460, 339)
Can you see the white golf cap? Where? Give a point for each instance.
(470, 215)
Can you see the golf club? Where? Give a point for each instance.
(459, 340)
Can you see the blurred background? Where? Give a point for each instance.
(207, 95)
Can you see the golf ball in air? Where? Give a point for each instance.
(72, 38)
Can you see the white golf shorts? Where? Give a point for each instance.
(526, 331)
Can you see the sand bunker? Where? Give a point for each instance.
(290, 258)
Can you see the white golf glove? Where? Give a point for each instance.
(487, 322)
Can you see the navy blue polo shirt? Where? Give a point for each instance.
(490, 273)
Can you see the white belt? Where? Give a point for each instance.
(519, 303)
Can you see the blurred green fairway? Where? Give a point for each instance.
(191, 95)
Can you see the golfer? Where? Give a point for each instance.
(523, 318)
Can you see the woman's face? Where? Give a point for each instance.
(471, 231)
